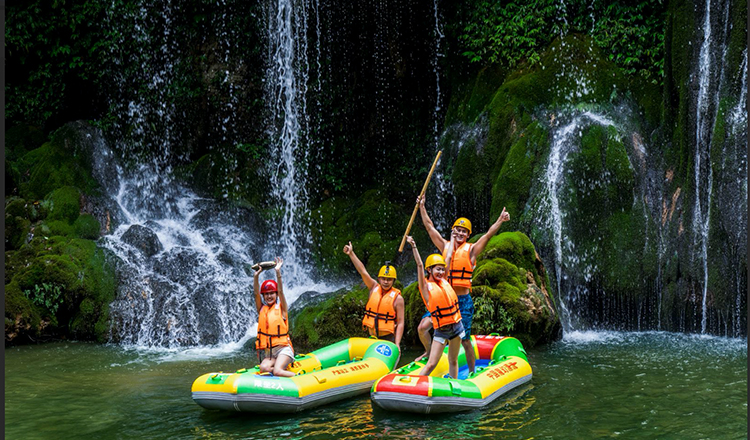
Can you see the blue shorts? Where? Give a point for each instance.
(448, 332)
(466, 307)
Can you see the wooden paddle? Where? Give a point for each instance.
(416, 207)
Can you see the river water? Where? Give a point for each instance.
(591, 385)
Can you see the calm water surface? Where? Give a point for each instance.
(589, 386)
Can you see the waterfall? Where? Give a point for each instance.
(444, 201)
(181, 269)
(702, 132)
(567, 262)
(183, 259)
(287, 79)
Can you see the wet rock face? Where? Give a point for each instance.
(143, 239)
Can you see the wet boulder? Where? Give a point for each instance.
(143, 239)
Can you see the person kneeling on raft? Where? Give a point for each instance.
(442, 303)
(384, 312)
(273, 325)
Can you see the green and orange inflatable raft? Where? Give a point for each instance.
(500, 367)
(344, 369)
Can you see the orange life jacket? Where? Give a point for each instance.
(459, 274)
(273, 329)
(380, 314)
(443, 304)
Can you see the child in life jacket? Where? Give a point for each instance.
(442, 303)
(461, 258)
(384, 312)
(273, 324)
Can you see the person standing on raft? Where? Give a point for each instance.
(442, 302)
(273, 324)
(461, 258)
(384, 312)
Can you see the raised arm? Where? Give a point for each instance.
(483, 240)
(420, 270)
(399, 306)
(439, 241)
(366, 278)
(256, 289)
(282, 298)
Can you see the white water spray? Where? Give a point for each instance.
(563, 144)
(287, 88)
(702, 209)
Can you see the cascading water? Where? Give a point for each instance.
(287, 79)
(183, 259)
(182, 277)
(444, 201)
(703, 169)
(567, 259)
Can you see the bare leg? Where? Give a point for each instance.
(266, 366)
(424, 336)
(470, 356)
(454, 346)
(280, 368)
(435, 352)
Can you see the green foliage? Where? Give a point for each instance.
(46, 295)
(511, 33)
(490, 318)
(51, 44)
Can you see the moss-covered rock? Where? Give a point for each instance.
(60, 283)
(55, 276)
(64, 204)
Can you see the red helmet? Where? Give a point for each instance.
(269, 286)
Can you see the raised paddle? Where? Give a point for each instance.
(265, 265)
(416, 206)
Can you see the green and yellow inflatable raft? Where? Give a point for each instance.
(338, 371)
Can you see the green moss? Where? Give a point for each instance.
(87, 226)
(16, 231)
(513, 185)
(64, 204)
(499, 269)
(50, 167)
(85, 277)
(59, 227)
(515, 248)
(21, 317)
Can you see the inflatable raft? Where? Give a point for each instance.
(501, 366)
(335, 372)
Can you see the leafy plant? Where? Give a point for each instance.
(508, 33)
(488, 318)
(47, 295)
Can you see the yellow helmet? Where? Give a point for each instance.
(464, 223)
(433, 260)
(387, 271)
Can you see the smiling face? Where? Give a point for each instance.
(461, 234)
(386, 283)
(269, 298)
(437, 272)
